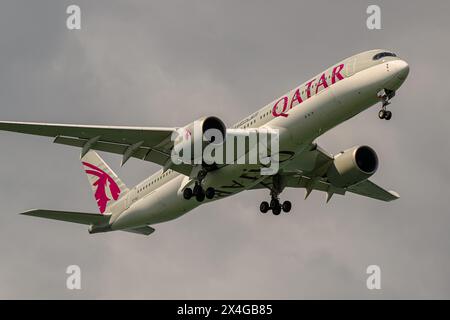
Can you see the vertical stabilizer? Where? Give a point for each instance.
(105, 184)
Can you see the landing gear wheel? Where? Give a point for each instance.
(200, 196)
(197, 189)
(277, 209)
(274, 203)
(287, 206)
(388, 115)
(187, 193)
(382, 114)
(210, 192)
(264, 207)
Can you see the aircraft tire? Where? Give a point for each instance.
(264, 207)
(197, 190)
(287, 206)
(200, 197)
(210, 193)
(276, 210)
(388, 115)
(187, 193)
(274, 203)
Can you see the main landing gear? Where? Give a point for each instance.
(385, 96)
(275, 205)
(198, 192)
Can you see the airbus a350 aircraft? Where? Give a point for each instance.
(326, 100)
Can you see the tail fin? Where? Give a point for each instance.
(105, 184)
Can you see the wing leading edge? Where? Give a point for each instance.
(151, 144)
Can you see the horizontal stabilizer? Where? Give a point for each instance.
(83, 218)
(75, 217)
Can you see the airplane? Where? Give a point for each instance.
(302, 115)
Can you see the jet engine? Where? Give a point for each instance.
(190, 141)
(353, 166)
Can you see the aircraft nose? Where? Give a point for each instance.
(401, 69)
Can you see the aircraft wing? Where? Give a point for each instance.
(308, 170)
(145, 143)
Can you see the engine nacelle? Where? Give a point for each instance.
(353, 166)
(194, 137)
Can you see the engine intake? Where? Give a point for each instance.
(213, 123)
(191, 140)
(353, 166)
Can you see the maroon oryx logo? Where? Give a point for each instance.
(104, 181)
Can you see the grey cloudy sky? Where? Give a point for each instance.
(166, 63)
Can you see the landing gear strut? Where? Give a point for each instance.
(198, 192)
(385, 96)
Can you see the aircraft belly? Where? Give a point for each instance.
(163, 204)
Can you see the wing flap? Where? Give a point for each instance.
(102, 146)
(142, 153)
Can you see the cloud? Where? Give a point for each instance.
(168, 63)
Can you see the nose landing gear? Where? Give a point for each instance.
(385, 96)
(385, 114)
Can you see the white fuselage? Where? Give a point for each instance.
(303, 114)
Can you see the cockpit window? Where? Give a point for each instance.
(380, 55)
